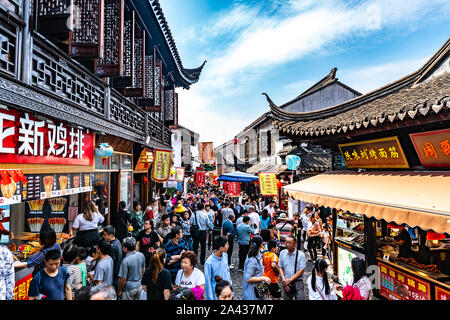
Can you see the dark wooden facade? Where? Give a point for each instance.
(99, 64)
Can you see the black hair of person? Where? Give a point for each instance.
(200, 206)
(175, 230)
(255, 243)
(272, 244)
(110, 230)
(320, 266)
(70, 253)
(47, 236)
(265, 234)
(219, 242)
(220, 285)
(358, 268)
(104, 246)
(122, 205)
(246, 219)
(52, 255)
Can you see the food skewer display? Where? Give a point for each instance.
(57, 224)
(36, 205)
(35, 224)
(57, 204)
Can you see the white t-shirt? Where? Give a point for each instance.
(82, 224)
(315, 295)
(270, 210)
(254, 218)
(197, 278)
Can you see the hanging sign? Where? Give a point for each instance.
(27, 139)
(206, 152)
(268, 184)
(180, 174)
(200, 178)
(379, 153)
(145, 161)
(233, 189)
(432, 147)
(161, 165)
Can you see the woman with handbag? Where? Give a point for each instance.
(256, 286)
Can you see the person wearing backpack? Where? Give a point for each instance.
(52, 282)
(318, 285)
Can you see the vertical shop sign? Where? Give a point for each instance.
(161, 165)
(268, 184)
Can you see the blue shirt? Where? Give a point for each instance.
(228, 227)
(52, 287)
(215, 266)
(287, 263)
(172, 250)
(265, 223)
(253, 267)
(243, 233)
(202, 219)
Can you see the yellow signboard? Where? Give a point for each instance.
(268, 184)
(379, 153)
(161, 165)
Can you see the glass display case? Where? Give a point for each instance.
(350, 229)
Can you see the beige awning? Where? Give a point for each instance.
(416, 198)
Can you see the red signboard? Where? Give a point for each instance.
(398, 285)
(442, 294)
(26, 139)
(21, 288)
(200, 178)
(433, 147)
(233, 189)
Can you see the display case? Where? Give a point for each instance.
(350, 230)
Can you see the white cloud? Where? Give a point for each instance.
(373, 77)
(257, 42)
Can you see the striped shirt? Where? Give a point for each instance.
(38, 259)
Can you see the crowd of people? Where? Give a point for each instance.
(154, 253)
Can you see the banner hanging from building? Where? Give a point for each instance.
(179, 176)
(162, 161)
(206, 153)
(200, 178)
(233, 189)
(268, 184)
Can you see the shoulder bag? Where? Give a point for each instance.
(292, 285)
(261, 288)
(195, 230)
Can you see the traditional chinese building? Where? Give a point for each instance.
(394, 180)
(87, 94)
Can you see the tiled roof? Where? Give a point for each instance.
(406, 98)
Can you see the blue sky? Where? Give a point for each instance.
(282, 47)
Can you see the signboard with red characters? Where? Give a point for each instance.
(397, 285)
(27, 139)
(433, 148)
(200, 178)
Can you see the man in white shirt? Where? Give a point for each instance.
(271, 208)
(254, 218)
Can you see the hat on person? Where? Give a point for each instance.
(180, 209)
(282, 216)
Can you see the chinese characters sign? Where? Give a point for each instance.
(21, 288)
(268, 184)
(442, 294)
(433, 147)
(200, 178)
(161, 165)
(206, 152)
(397, 285)
(379, 153)
(233, 189)
(27, 139)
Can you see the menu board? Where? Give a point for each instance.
(442, 294)
(56, 185)
(398, 285)
(54, 210)
(32, 189)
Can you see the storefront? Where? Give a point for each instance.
(390, 202)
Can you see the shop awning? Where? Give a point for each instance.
(416, 198)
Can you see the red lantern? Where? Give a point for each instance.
(279, 184)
